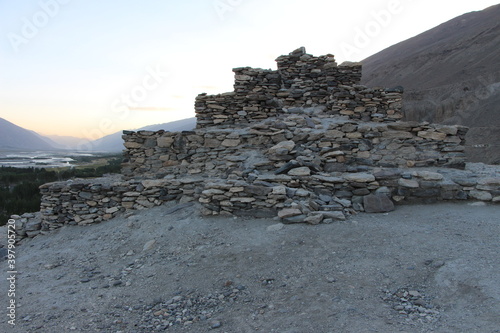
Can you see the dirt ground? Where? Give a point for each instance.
(432, 268)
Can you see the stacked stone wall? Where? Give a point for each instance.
(296, 196)
(303, 71)
(302, 83)
(366, 104)
(325, 145)
(312, 199)
(89, 201)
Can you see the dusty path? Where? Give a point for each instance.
(418, 269)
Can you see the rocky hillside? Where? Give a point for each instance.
(451, 74)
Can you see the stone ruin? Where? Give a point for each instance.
(305, 142)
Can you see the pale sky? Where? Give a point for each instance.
(89, 68)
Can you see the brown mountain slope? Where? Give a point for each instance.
(451, 74)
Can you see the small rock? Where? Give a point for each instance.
(432, 135)
(230, 143)
(359, 177)
(177, 298)
(410, 183)
(33, 225)
(302, 171)
(215, 324)
(330, 279)
(437, 263)
(314, 219)
(325, 198)
(287, 167)
(275, 227)
(289, 212)
(279, 190)
(384, 190)
(419, 302)
(284, 146)
(427, 175)
(112, 210)
(344, 202)
(338, 216)
(149, 245)
(481, 195)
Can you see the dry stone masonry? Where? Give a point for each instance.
(328, 144)
(302, 84)
(305, 143)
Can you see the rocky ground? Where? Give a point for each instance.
(430, 268)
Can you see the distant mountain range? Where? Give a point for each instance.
(451, 74)
(64, 142)
(13, 137)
